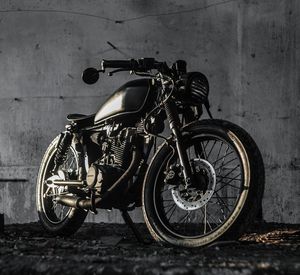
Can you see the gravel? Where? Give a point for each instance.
(112, 249)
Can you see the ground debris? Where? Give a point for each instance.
(275, 234)
(112, 249)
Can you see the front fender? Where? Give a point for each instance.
(221, 126)
(197, 125)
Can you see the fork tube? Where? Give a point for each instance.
(174, 121)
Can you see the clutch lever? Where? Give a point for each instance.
(143, 74)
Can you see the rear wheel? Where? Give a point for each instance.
(224, 196)
(56, 218)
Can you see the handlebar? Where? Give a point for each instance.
(139, 65)
(122, 64)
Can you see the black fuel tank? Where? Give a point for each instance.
(130, 99)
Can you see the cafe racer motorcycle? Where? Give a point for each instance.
(203, 183)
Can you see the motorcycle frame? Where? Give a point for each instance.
(172, 111)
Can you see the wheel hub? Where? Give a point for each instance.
(202, 189)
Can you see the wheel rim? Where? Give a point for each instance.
(204, 216)
(56, 213)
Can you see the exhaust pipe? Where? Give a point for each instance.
(69, 201)
(87, 204)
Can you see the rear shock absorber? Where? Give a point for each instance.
(62, 149)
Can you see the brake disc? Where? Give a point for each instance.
(194, 199)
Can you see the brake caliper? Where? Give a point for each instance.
(174, 175)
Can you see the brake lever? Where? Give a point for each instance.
(116, 71)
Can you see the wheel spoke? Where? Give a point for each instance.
(213, 163)
(169, 218)
(224, 164)
(209, 216)
(169, 204)
(185, 217)
(232, 170)
(223, 203)
(227, 184)
(206, 144)
(203, 150)
(170, 209)
(62, 212)
(229, 178)
(165, 190)
(219, 151)
(211, 149)
(224, 197)
(204, 229)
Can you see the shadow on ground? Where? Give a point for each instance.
(112, 249)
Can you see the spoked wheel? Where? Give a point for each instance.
(216, 203)
(202, 207)
(57, 218)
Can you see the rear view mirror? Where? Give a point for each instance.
(90, 76)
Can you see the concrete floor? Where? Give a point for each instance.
(112, 249)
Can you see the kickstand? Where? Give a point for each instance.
(135, 231)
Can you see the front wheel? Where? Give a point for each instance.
(226, 190)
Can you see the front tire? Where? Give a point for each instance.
(243, 191)
(57, 219)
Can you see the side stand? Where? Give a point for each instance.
(132, 226)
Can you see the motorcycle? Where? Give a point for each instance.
(203, 183)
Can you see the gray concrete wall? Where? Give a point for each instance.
(248, 49)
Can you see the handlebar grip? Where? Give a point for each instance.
(124, 64)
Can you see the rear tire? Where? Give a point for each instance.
(246, 207)
(72, 218)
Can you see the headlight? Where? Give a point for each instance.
(196, 88)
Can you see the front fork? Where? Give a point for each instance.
(174, 122)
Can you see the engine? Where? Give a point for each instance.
(115, 143)
(101, 177)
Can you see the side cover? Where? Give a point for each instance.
(130, 99)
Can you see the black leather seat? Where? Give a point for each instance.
(82, 120)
